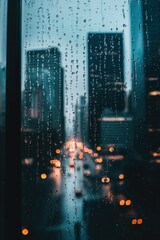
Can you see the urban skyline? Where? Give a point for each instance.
(41, 69)
(107, 88)
(70, 36)
(80, 140)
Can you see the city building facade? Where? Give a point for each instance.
(107, 87)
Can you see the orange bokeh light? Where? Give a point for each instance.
(55, 162)
(105, 179)
(98, 148)
(43, 176)
(134, 221)
(121, 202)
(140, 221)
(98, 160)
(121, 176)
(80, 156)
(58, 151)
(25, 231)
(128, 202)
(85, 149)
(95, 154)
(90, 151)
(111, 149)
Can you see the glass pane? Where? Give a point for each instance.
(90, 119)
(3, 33)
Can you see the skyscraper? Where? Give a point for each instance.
(138, 76)
(116, 131)
(151, 19)
(43, 94)
(145, 22)
(81, 120)
(106, 78)
(2, 94)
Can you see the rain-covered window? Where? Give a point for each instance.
(90, 118)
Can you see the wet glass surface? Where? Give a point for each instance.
(90, 120)
(74, 197)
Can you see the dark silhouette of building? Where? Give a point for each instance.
(43, 98)
(2, 94)
(116, 130)
(81, 120)
(2, 145)
(138, 76)
(106, 78)
(145, 21)
(151, 19)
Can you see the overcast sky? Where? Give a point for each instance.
(3, 24)
(65, 24)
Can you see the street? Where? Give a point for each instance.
(80, 197)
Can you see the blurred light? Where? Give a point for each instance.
(121, 202)
(121, 183)
(95, 154)
(25, 231)
(140, 221)
(58, 151)
(52, 161)
(43, 176)
(72, 155)
(79, 145)
(70, 144)
(71, 149)
(90, 151)
(153, 78)
(78, 191)
(121, 176)
(114, 119)
(155, 154)
(28, 161)
(98, 160)
(85, 149)
(98, 148)
(87, 173)
(71, 170)
(114, 157)
(105, 179)
(80, 156)
(134, 221)
(71, 164)
(128, 202)
(153, 129)
(157, 161)
(154, 93)
(55, 162)
(111, 149)
(98, 167)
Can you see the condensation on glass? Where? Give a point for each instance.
(90, 138)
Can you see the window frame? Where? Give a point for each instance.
(13, 122)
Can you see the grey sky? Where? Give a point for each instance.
(65, 24)
(3, 24)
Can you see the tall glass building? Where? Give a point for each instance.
(43, 97)
(106, 79)
(151, 19)
(138, 76)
